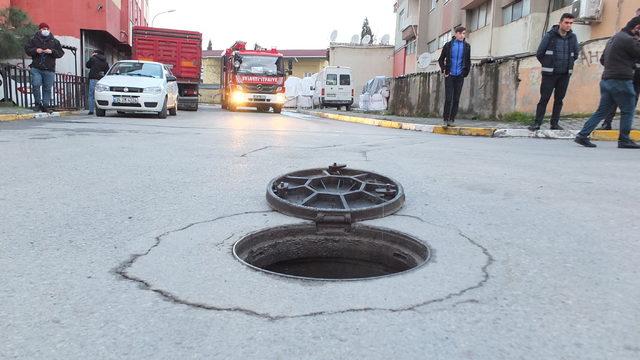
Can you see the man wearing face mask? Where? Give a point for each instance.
(44, 49)
(616, 87)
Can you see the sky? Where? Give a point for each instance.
(284, 24)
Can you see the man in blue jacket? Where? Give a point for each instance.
(557, 52)
(455, 64)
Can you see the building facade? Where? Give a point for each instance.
(305, 63)
(87, 25)
(405, 55)
(495, 28)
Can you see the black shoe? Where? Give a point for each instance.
(446, 123)
(605, 127)
(534, 128)
(557, 127)
(627, 144)
(584, 141)
(90, 113)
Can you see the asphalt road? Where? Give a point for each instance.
(116, 237)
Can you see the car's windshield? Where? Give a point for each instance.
(137, 69)
(261, 65)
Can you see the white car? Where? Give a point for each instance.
(133, 86)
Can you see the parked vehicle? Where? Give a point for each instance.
(180, 50)
(252, 78)
(133, 86)
(334, 88)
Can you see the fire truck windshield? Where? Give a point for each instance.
(261, 65)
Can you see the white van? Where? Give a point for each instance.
(334, 88)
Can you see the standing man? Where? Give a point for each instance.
(606, 124)
(557, 52)
(44, 49)
(616, 87)
(98, 67)
(455, 64)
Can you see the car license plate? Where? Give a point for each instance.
(331, 95)
(259, 97)
(125, 100)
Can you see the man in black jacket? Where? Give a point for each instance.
(98, 67)
(606, 124)
(44, 49)
(455, 64)
(616, 87)
(557, 52)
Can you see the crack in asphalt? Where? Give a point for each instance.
(121, 271)
(378, 143)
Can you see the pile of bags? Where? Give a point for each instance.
(298, 92)
(375, 95)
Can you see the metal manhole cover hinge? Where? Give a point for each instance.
(333, 222)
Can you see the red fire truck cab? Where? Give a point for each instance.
(252, 78)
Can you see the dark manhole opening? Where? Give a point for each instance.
(303, 251)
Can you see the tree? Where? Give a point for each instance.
(15, 31)
(366, 30)
(210, 45)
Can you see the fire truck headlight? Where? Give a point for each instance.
(281, 98)
(237, 97)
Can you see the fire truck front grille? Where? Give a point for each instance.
(261, 89)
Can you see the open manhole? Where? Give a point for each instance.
(303, 251)
(333, 248)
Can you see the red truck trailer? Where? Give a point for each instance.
(180, 50)
(252, 78)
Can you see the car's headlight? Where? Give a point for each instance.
(153, 90)
(237, 97)
(101, 88)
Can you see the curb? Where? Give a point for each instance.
(17, 117)
(597, 135)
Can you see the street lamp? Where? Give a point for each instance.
(160, 13)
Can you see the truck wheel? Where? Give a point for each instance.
(100, 112)
(195, 108)
(348, 108)
(174, 111)
(232, 108)
(163, 114)
(277, 109)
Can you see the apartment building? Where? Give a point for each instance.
(496, 28)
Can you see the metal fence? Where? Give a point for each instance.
(69, 91)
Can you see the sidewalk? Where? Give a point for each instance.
(11, 113)
(466, 127)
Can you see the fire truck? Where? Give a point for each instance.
(253, 78)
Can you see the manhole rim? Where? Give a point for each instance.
(310, 213)
(413, 238)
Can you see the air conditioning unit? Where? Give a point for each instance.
(587, 10)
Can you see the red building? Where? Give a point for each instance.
(87, 25)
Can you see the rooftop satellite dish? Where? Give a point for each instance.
(424, 60)
(366, 39)
(385, 40)
(355, 39)
(334, 35)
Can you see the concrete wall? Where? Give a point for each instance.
(366, 62)
(303, 66)
(496, 89)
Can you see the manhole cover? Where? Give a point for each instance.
(335, 191)
(305, 252)
(333, 248)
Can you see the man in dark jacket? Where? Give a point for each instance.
(98, 67)
(616, 87)
(455, 64)
(606, 124)
(557, 52)
(44, 49)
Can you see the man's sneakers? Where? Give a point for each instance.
(556, 127)
(605, 126)
(534, 127)
(584, 141)
(627, 144)
(448, 123)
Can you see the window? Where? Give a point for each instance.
(137, 69)
(308, 74)
(559, 4)
(515, 11)
(432, 46)
(478, 17)
(411, 48)
(345, 79)
(332, 79)
(261, 65)
(444, 38)
(433, 4)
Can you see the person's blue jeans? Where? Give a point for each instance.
(614, 93)
(92, 94)
(42, 86)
